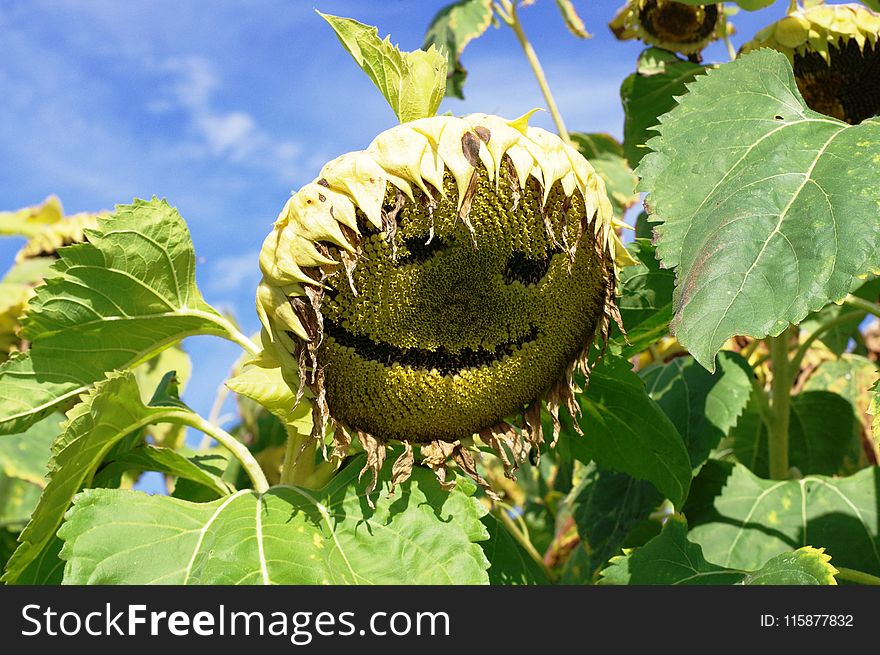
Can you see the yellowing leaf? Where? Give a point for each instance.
(30, 221)
(413, 83)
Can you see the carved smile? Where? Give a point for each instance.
(447, 363)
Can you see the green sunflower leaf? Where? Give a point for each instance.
(671, 559)
(741, 520)
(112, 410)
(413, 83)
(649, 92)
(645, 303)
(778, 218)
(451, 30)
(419, 535)
(703, 406)
(606, 507)
(626, 431)
(114, 302)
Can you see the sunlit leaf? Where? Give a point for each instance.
(572, 21)
(112, 410)
(413, 83)
(114, 302)
(419, 535)
(778, 218)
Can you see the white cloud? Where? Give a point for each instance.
(233, 135)
(232, 272)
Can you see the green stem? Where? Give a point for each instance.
(792, 6)
(238, 449)
(780, 405)
(299, 458)
(237, 336)
(857, 576)
(523, 541)
(798, 358)
(864, 305)
(507, 12)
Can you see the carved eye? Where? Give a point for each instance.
(525, 268)
(419, 251)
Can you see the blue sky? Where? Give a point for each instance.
(225, 107)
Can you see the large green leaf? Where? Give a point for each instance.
(606, 156)
(451, 30)
(413, 83)
(116, 301)
(645, 303)
(671, 559)
(606, 507)
(649, 92)
(419, 535)
(112, 410)
(626, 431)
(741, 520)
(509, 563)
(703, 406)
(779, 217)
(823, 436)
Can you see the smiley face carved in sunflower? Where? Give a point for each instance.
(445, 279)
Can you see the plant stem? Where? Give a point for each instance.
(523, 540)
(857, 576)
(792, 6)
(818, 332)
(238, 449)
(507, 12)
(237, 336)
(780, 405)
(864, 305)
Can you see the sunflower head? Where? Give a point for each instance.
(834, 52)
(450, 276)
(670, 25)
